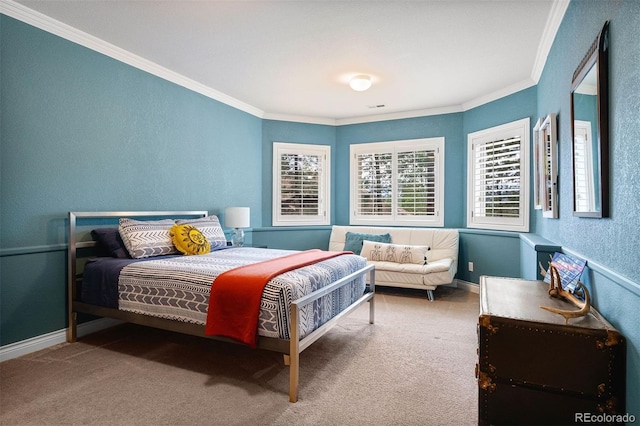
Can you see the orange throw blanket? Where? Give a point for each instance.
(234, 302)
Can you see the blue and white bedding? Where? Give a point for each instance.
(178, 287)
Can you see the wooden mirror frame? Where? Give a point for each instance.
(548, 142)
(545, 162)
(596, 57)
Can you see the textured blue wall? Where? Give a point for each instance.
(609, 244)
(502, 259)
(293, 237)
(603, 240)
(33, 295)
(514, 107)
(494, 253)
(535, 251)
(447, 125)
(289, 132)
(81, 131)
(504, 110)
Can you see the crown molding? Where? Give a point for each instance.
(554, 20)
(501, 93)
(364, 119)
(67, 32)
(399, 115)
(46, 23)
(299, 118)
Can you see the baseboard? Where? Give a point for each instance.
(466, 285)
(44, 341)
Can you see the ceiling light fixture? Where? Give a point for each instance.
(360, 82)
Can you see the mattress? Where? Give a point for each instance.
(178, 287)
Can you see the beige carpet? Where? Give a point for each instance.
(415, 366)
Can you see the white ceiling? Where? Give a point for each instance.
(292, 59)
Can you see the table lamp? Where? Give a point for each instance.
(237, 218)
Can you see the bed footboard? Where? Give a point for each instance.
(296, 346)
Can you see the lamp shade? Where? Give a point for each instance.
(237, 217)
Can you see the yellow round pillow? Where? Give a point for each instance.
(189, 240)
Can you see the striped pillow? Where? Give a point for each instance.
(147, 238)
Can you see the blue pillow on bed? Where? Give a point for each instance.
(110, 242)
(353, 240)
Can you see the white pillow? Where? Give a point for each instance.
(397, 253)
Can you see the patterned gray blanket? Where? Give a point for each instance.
(178, 288)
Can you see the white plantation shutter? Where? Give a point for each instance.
(498, 178)
(417, 183)
(395, 183)
(374, 184)
(301, 182)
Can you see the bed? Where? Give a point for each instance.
(297, 307)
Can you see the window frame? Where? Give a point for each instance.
(505, 131)
(394, 147)
(324, 185)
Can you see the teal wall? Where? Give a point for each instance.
(535, 252)
(289, 132)
(610, 246)
(493, 253)
(33, 294)
(604, 240)
(447, 125)
(81, 131)
(504, 110)
(293, 238)
(503, 256)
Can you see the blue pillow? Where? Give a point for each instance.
(353, 240)
(110, 243)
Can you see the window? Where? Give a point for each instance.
(301, 176)
(584, 182)
(398, 183)
(498, 177)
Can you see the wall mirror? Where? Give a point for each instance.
(545, 162)
(590, 130)
(548, 143)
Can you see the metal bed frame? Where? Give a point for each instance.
(290, 349)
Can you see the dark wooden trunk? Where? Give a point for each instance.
(534, 368)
